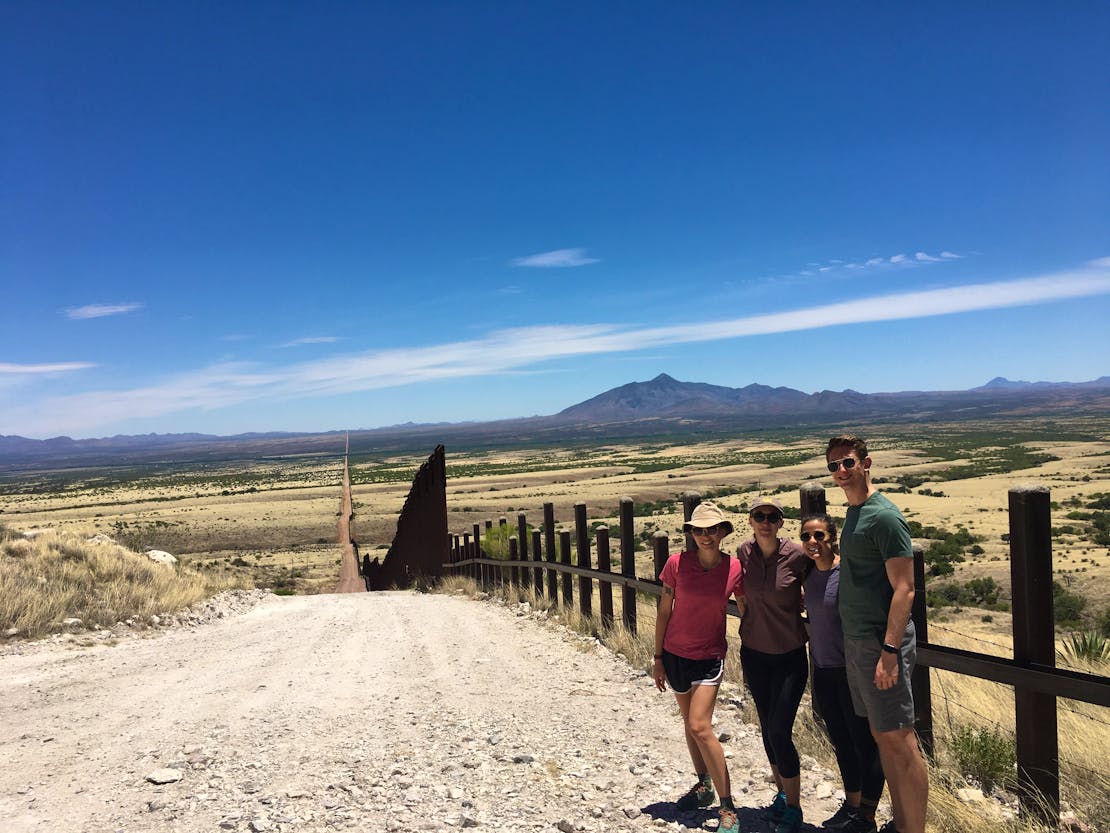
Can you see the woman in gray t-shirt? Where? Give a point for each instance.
(856, 753)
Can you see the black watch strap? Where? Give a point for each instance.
(890, 649)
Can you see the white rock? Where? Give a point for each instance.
(164, 776)
(969, 795)
(161, 557)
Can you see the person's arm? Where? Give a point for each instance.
(662, 617)
(899, 572)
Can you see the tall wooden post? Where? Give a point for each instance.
(467, 555)
(522, 536)
(568, 583)
(582, 546)
(606, 587)
(812, 498)
(549, 549)
(920, 682)
(628, 563)
(690, 500)
(480, 569)
(661, 551)
(537, 557)
(514, 571)
(1038, 760)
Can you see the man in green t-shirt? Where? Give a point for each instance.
(876, 596)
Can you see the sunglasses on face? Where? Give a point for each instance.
(705, 530)
(761, 517)
(816, 536)
(847, 462)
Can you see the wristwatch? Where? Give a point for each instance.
(890, 649)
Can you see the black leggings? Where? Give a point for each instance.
(856, 753)
(776, 682)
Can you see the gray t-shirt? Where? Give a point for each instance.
(826, 636)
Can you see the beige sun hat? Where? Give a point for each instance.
(707, 514)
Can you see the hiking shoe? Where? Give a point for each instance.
(858, 824)
(889, 827)
(774, 813)
(841, 817)
(700, 796)
(729, 822)
(791, 821)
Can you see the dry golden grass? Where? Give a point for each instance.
(60, 575)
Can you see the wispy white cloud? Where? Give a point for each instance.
(898, 259)
(560, 258)
(510, 290)
(37, 369)
(516, 349)
(100, 310)
(922, 257)
(950, 256)
(298, 342)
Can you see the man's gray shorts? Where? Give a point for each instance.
(885, 710)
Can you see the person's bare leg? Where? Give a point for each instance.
(696, 758)
(697, 713)
(906, 777)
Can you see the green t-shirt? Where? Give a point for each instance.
(873, 532)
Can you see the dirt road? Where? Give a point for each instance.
(349, 579)
(368, 711)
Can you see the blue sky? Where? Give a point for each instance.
(291, 216)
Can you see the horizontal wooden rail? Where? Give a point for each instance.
(1061, 682)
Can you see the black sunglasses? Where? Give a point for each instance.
(704, 530)
(847, 462)
(760, 517)
(816, 536)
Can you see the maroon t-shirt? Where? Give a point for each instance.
(696, 629)
(773, 590)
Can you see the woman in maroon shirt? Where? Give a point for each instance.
(773, 651)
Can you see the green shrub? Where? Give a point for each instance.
(985, 755)
(1089, 646)
(1067, 606)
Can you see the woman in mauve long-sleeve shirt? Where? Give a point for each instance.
(773, 651)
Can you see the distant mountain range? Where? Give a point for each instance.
(663, 405)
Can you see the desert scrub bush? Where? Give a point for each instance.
(60, 575)
(986, 756)
(1089, 647)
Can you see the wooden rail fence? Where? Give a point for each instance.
(1036, 680)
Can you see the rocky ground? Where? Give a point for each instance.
(370, 712)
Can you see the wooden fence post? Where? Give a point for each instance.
(514, 571)
(537, 557)
(690, 500)
(479, 569)
(522, 536)
(920, 682)
(582, 545)
(568, 583)
(812, 498)
(549, 548)
(661, 550)
(467, 554)
(628, 563)
(606, 587)
(1038, 761)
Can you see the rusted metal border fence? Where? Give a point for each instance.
(1032, 672)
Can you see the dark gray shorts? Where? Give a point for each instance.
(885, 710)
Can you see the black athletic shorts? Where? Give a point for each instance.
(684, 673)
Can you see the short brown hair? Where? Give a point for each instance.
(857, 444)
